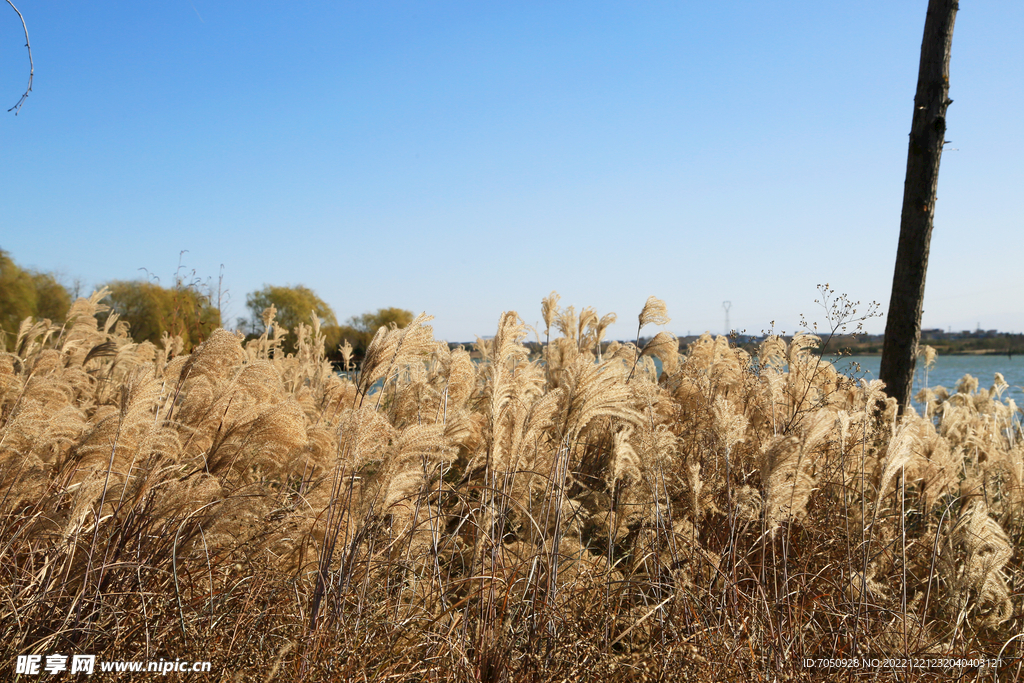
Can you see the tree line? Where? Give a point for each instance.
(185, 309)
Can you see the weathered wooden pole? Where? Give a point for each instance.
(927, 135)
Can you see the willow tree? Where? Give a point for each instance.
(359, 329)
(927, 135)
(294, 305)
(151, 311)
(25, 293)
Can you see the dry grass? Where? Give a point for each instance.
(519, 519)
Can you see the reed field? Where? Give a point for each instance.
(488, 514)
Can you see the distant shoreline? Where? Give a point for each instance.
(991, 343)
(979, 352)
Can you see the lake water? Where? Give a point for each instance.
(948, 370)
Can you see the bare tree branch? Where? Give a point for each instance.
(31, 65)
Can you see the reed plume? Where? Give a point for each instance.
(518, 515)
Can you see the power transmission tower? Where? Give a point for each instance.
(727, 305)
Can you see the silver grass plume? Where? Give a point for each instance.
(591, 391)
(507, 353)
(654, 313)
(566, 322)
(976, 552)
(786, 469)
(412, 456)
(665, 347)
(346, 355)
(897, 455)
(600, 329)
(625, 461)
(548, 310)
(587, 321)
(391, 348)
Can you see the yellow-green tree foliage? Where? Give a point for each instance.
(294, 305)
(152, 310)
(25, 293)
(359, 329)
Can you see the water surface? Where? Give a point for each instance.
(948, 370)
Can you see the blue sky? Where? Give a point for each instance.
(467, 158)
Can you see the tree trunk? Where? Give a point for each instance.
(927, 134)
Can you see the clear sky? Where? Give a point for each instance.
(466, 158)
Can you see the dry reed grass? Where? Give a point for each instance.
(571, 515)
